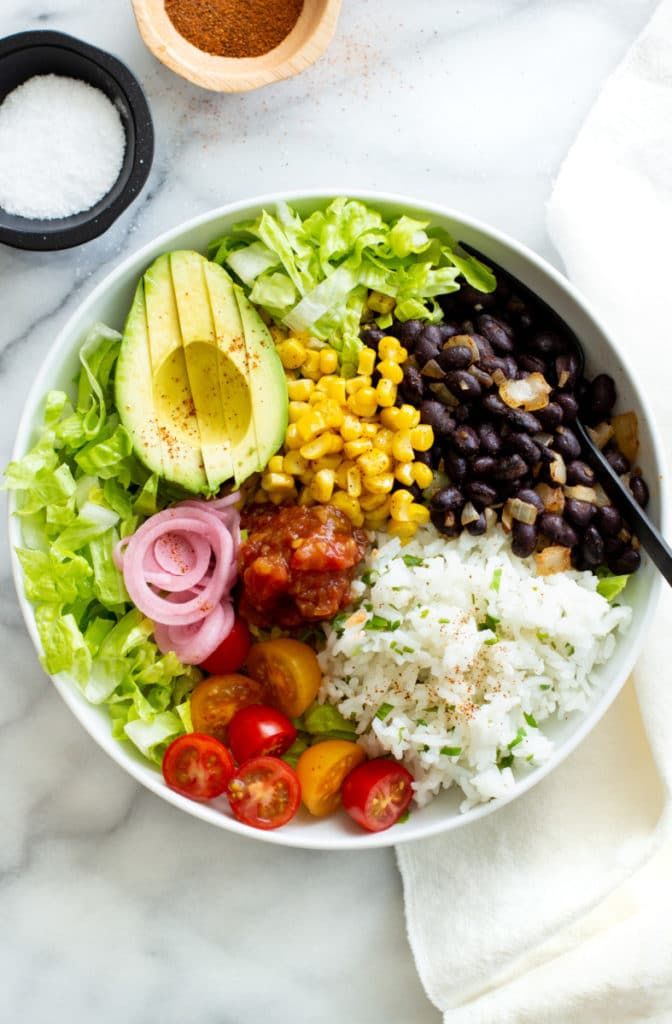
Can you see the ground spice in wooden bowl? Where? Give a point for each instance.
(234, 28)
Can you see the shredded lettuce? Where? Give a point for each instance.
(78, 491)
(611, 586)
(313, 274)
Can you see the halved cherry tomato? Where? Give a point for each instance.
(258, 730)
(232, 651)
(264, 793)
(377, 793)
(321, 770)
(291, 672)
(215, 701)
(198, 766)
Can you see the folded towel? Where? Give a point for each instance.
(558, 907)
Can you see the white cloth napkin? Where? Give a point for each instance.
(558, 908)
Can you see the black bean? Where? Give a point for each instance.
(426, 349)
(465, 440)
(579, 472)
(567, 369)
(482, 495)
(490, 439)
(409, 332)
(495, 406)
(449, 499)
(465, 387)
(511, 467)
(569, 406)
(510, 368)
(546, 454)
(546, 343)
(498, 334)
(522, 420)
(566, 443)
(640, 490)
(447, 523)
(602, 396)
(425, 457)
(412, 387)
(484, 465)
(438, 417)
(592, 547)
(477, 527)
(609, 521)
(614, 546)
(448, 331)
(483, 345)
(456, 466)
(579, 512)
(617, 461)
(530, 497)
(371, 336)
(523, 539)
(472, 297)
(459, 357)
(524, 446)
(550, 416)
(461, 413)
(628, 561)
(557, 530)
(432, 334)
(532, 364)
(525, 320)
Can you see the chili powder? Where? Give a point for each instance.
(234, 28)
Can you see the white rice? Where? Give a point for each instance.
(458, 702)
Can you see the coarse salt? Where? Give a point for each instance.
(62, 145)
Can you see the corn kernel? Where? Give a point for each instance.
(391, 371)
(422, 437)
(292, 354)
(332, 412)
(373, 462)
(351, 428)
(300, 390)
(317, 396)
(409, 417)
(276, 464)
(383, 440)
(390, 348)
(294, 463)
(296, 410)
(372, 502)
(370, 430)
(322, 486)
(422, 474)
(342, 473)
(378, 515)
(404, 473)
(335, 389)
(386, 393)
(332, 461)
(350, 506)
(419, 513)
(311, 366)
(353, 482)
(402, 530)
(279, 483)
(364, 402)
(402, 448)
(277, 497)
(390, 419)
(293, 438)
(381, 303)
(306, 497)
(353, 449)
(260, 497)
(328, 360)
(311, 424)
(400, 503)
(355, 384)
(316, 448)
(381, 483)
(366, 361)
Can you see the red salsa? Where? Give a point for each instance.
(297, 563)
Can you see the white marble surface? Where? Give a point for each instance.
(114, 906)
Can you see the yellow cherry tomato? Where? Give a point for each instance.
(289, 670)
(322, 770)
(215, 701)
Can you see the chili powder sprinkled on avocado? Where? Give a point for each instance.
(234, 28)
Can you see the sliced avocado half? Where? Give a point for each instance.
(199, 385)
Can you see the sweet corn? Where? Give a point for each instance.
(383, 440)
(306, 497)
(300, 390)
(370, 430)
(328, 360)
(353, 482)
(391, 371)
(278, 483)
(311, 365)
(402, 448)
(294, 463)
(316, 448)
(277, 497)
(322, 486)
(403, 418)
(318, 395)
(342, 471)
(293, 438)
(332, 412)
(276, 464)
(292, 354)
(372, 502)
(355, 384)
(422, 474)
(390, 348)
(419, 513)
(364, 402)
(404, 473)
(373, 462)
(366, 361)
(381, 303)
(402, 530)
(422, 437)
(335, 389)
(350, 506)
(351, 428)
(400, 504)
(378, 515)
(381, 483)
(296, 410)
(386, 393)
(328, 462)
(311, 424)
(353, 449)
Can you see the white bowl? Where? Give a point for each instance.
(110, 301)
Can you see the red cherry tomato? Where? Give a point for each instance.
(232, 651)
(257, 731)
(377, 793)
(198, 766)
(264, 793)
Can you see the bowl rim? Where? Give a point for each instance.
(65, 237)
(68, 688)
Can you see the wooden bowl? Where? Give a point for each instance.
(306, 42)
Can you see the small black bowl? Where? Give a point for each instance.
(42, 53)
